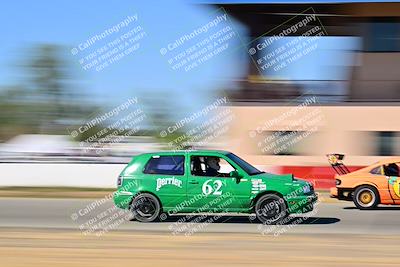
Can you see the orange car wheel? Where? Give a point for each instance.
(366, 197)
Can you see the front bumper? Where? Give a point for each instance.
(302, 204)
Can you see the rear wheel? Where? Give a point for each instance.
(366, 197)
(271, 209)
(145, 207)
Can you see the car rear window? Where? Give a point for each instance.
(167, 165)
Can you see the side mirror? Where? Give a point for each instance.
(236, 175)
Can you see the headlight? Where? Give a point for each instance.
(307, 189)
(338, 182)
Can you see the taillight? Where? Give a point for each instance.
(119, 181)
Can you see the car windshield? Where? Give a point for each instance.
(247, 167)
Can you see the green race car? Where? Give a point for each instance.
(208, 181)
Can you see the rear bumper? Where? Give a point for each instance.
(333, 192)
(122, 199)
(341, 193)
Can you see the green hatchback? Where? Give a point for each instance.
(208, 181)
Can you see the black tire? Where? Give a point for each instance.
(271, 209)
(366, 197)
(145, 207)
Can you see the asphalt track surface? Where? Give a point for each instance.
(46, 232)
(337, 217)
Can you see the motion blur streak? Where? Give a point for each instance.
(39, 248)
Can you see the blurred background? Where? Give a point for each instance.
(48, 97)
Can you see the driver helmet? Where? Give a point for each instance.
(213, 162)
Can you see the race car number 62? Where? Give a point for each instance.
(208, 189)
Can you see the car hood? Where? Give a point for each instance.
(284, 178)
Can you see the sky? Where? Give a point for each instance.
(145, 71)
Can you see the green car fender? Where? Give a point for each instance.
(280, 185)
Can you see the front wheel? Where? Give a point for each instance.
(271, 209)
(366, 197)
(145, 207)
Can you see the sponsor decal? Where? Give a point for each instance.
(168, 181)
(257, 185)
(395, 182)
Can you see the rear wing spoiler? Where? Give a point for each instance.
(336, 161)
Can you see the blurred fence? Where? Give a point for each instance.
(60, 174)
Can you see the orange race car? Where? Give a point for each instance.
(376, 184)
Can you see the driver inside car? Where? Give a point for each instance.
(391, 170)
(212, 166)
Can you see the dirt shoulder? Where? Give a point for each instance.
(44, 247)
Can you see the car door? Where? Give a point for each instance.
(165, 176)
(387, 182)
(218, 192)
(392, 174)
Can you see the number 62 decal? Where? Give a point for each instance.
(209, 189)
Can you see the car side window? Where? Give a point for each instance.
(376, 170)
(391, 169)
(210, 166)
(167, 165)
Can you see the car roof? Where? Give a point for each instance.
(388, 160)
(195, 151)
